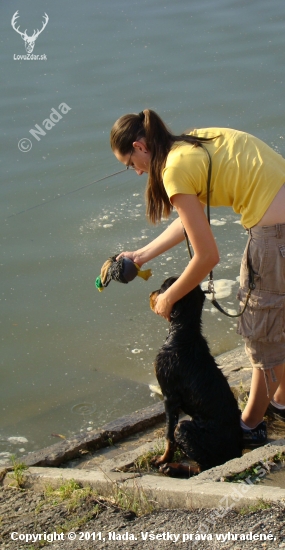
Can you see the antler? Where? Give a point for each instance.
(45, 22)
(13, 21)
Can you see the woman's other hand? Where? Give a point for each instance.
(163, 307)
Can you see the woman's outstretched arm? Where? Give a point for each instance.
(172, 236)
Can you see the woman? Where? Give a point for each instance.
(248, 176)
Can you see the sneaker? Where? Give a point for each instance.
(274, 412)
(255, 436)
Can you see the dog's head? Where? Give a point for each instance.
(189, 306)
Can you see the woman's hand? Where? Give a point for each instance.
(163, 306)
(134, 256)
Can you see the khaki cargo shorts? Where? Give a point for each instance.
(262, 325)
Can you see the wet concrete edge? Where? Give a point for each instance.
(68, 449)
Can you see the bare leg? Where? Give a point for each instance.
(279, 395)
(258, 400)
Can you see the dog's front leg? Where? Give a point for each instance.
(172, 416)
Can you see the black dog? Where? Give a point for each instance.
(191, 381)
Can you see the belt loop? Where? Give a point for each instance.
(278, 231)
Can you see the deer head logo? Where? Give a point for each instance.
(29, 40)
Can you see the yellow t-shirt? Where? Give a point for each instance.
(246, 173)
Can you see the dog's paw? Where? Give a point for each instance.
(157, 460)
(172, 469)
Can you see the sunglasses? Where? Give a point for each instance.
(128, 165)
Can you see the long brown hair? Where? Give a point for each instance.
(159, 140)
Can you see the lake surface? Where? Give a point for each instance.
(72, 358)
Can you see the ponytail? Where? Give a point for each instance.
(159, 140)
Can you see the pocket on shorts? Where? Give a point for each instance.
(263, 318)
(273, 269)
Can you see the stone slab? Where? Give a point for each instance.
(161, 491)
(185, 494)
(238, 465)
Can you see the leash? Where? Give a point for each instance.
(65, 194)
(211, 288)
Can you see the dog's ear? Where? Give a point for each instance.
(177, 310)
(191, 304)
(167, 283)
